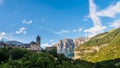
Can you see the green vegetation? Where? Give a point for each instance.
(108, 44)
(111, 51)
(22, 58)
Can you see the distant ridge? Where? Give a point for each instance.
(14, 43)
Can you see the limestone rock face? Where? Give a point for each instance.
(79, 41)
(67, 46)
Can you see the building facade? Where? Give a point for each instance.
(35, 46)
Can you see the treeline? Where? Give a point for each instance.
(22, 58)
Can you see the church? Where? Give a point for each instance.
(36, 46)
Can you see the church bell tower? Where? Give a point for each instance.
(38, 41)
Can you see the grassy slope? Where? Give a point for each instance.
(111, 51)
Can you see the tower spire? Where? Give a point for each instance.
(38, 39)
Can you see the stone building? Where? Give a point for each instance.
(35, 46)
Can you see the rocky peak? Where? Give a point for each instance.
(79, 41)
(66, 46)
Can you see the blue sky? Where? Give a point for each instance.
(53, 20)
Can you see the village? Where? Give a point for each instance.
(32, 46)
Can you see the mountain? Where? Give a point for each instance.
(102, 47)
(3, 39)
(79, 41)
(13, 43)
(67, 46)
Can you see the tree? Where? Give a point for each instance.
(4, 54)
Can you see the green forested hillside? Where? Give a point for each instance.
(22, 58)
(108, 45)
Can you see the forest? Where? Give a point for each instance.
(22, 58)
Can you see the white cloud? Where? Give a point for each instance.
(77, 30)
(52, 42)
(97, 28)
(27, 22)
(46, 45)
(86, 18)
(64, 31)
(22, 30)
(8, 36)
(2, 34)
(111, 11)
(96, 20)
(74, 30)
(115, 24)
(0, 38)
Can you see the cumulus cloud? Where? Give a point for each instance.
(22, 30)
(2, 34)
(46, 45)
(97, 28)
(27, 22)
(115, 24)
(51, 43)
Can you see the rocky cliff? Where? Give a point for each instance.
(67, 46)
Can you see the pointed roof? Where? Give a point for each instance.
(38, 37)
